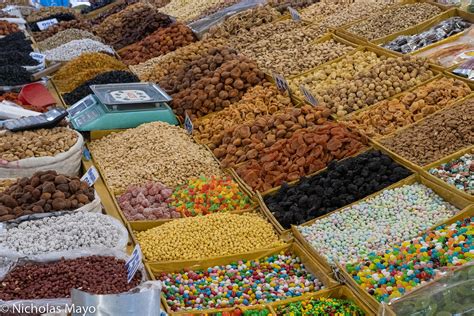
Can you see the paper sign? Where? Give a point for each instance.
(281, 82)
(38, 57)
(90, 176)
(308, 96)
(43, 25)
(133, 263)
(294, 14)
(188, 124)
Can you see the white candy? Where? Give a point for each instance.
(76, 48)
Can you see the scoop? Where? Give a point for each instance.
(37, 95)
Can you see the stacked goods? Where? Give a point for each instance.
(214, 235)
(62, 26)
(249, 140)
(393, 20)
(93, 274)
(247, 282)
(383, 80)
(216, 91)
(377, 223)
(436, 136)
(7, 28)
(343, 182)
(45, 191)
(83, 68)
(403, 268)
(458, 172)
(76, 48)
(151, 152)
(258, 101)
(308, 150)
(387, 116)
(320, 306)
(160, 42)
(130, 25)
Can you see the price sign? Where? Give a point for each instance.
(38, 57)
(133, 263)
(90, 176)
(281, 82)
(308, 96)
(294, 14)
(43, 25)
(188, 124)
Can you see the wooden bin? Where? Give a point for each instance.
(448, 195)
(174, 266)
(375, 305)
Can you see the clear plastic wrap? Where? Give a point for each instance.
(466, 69)
(409, 43)
(452, 294)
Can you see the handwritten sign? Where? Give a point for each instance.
(133, 263)
(281, 82)
(43, 25)
(308, 96)
(90, 176)
(188, 124)
(294, 14)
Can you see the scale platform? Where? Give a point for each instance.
(121, 105)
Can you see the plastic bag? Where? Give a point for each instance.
(121, 243)
(451, 295)
(61, 302)
(200, 27)
(67, 163)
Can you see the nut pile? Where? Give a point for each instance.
(394, 20)
(8, 28)
(115, 9)
(156, 68)
(377, 223)
(147, 202)
(161, 42)
(291, 61)
(382, 81)
(62, 233)
(214, 235)
(342, 183)
(64, 37)
(59, 17)
(335, 73)
(321, 10)
(282, 5)
(45, 191)
(36, 143)
(62, 26)
(151, 152)
(386, 116)
(93, 274)
(130, 25)
(308, 150)
(243, 21)
(436, 136)
(76, 48)
(45, 13)
(185, 10)
(83, 68)
(218, 90)
(211, 10)
(249, 140)
(258, 101)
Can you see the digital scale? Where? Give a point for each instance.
(121, 105)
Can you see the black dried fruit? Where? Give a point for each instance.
(17, 58)
(14, 76)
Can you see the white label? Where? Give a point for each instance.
(188, 124)
(281, 82)
(133, 263)
(38, 57)
(43, 25)
(308, 96)
(90, 176)
(294, 14)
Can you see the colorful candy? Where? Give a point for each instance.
(377, 223)
(459, 172)
(202, 196)
(322, 306)
(239, 283)
(413, 262)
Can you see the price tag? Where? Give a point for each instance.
(281, 82)
(43, 25)
(188, 124)
(86, 153)
(133, 263)
(90, 176)
(38, 57)
(294, 14)
(308, 96)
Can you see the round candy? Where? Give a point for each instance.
(322, 307)
(459, 172)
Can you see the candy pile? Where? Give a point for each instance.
(149, 201)
(215, 235)
(202, 196)
(377, 223)
(398, 270)
(320, 307)
(459, 172)
(246, 282)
